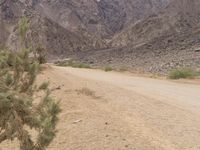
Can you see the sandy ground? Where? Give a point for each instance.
(114, 111)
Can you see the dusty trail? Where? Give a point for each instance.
(114, 111)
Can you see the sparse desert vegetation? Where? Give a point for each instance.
(71, 63)
(86, 91)
(25, 107)
(123, 69)
(107, 69)
(182, 73)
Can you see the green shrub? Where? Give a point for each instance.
(80, 65)
(107, 69)
(182, 73)
(70, 63)
(18, 109)
(24, 105)
(61, 63)
(123, 69)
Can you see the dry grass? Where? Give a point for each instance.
(86, 91)
(71, 63)
(183, 73)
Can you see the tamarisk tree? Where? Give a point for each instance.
(25, 106)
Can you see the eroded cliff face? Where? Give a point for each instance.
(158, 43)
(73, 25)
(48, 26)
(177, 17)
(103, 17)
(66, 27)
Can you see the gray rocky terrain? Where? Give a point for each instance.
(147, 35)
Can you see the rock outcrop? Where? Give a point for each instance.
(73, 25)
(153, 35)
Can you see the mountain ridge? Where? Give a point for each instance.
(137, 31)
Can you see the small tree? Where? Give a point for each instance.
(25, 106)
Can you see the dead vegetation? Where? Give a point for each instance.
(86, 91)
(71, 63)
(183, 73)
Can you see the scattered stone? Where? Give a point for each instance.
(126, 146)
(197, 50)
(77, 121)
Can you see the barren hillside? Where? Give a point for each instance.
(147, 35)
(165, 40)
(68, 26)
(178, 17)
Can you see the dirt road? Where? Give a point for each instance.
(115, 111)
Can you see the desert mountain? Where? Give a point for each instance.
(178, 17)
(132, 33)
(102, 17)
(157, 43)
(74, 25)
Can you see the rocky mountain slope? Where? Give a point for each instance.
(102, 17)
(165, 40)
(152, 35)
(73, 25)
(179, 16)
(46, 28)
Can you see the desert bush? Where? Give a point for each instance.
(182, 73)
(62, 63)
(86, 91)
(123, 69)
(18, 106)
(71, 63)
(107, 69)
(24, 105)
(23, 28)
(80, 65)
